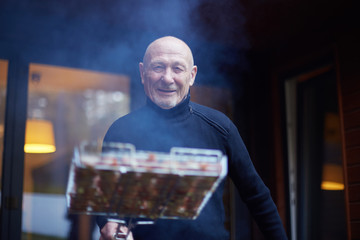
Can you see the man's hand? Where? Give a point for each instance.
(108, 232)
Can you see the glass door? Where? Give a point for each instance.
(65, 107)
(316, 181)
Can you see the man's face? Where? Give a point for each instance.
(167, 72)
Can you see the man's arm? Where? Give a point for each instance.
(252, 189)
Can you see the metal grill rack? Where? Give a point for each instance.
(118, 181)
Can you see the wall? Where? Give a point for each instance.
(349, 96)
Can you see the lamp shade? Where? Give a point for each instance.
(332, 178)
(39, 136)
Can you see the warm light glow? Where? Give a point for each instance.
(39, 136)
(332, 186)
(332, 177)
(39, 148)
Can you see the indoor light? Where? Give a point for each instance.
(332, 177)
(39, 136)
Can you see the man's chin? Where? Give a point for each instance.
(166, 104)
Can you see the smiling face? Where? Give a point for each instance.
(167, 72)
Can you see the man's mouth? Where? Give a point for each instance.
(166, 91)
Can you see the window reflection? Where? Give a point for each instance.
(80, 105)
(3, 80)
(315, 156)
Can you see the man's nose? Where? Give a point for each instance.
(168, 76)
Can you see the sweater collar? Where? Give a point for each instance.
(179, 111)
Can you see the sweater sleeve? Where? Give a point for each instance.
(101, 221)
(252, 189)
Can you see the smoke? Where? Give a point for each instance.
(112, 35)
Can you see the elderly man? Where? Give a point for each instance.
(170, 119)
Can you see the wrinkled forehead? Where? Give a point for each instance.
(168, 47)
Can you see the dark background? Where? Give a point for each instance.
(239, 45)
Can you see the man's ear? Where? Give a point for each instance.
(193, 75)
(141, 69)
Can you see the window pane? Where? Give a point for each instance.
(65, 106)
(321, 212)
(3, 80)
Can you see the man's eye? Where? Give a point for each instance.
(178, 69)
(157, 68)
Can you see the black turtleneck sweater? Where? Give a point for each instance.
(192, 125)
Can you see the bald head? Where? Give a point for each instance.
(168, 43)
(167, 71)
